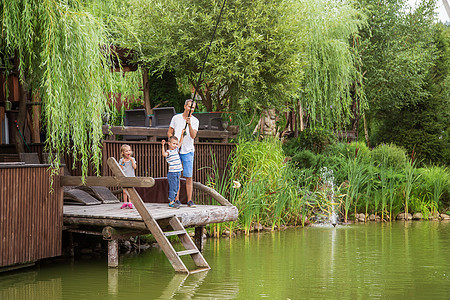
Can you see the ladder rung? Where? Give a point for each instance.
(186, 252)
(176, 232)
(199, 270)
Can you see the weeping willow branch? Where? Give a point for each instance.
(333, 62)
(61, 50)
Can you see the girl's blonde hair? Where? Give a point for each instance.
(122, 149)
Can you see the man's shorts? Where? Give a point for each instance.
(187, 160)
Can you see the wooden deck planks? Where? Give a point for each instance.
(106, 214)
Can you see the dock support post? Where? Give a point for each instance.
(113, 253)
(198, 238)
(71, 245)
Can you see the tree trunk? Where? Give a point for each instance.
(300, 114)
(366, 131)
(296, 118)
(146, 89)
(20, 122)
(36, 116)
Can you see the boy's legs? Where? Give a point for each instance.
(173, 179)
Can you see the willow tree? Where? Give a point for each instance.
(64, 57)
(333, 79)
(255, 58)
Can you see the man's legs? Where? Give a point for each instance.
(187, 160)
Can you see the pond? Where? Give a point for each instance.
(397, 261)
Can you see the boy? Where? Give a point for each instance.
(177, 124)
(175, 168)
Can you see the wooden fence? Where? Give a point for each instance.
(210, 160)
(31, 216)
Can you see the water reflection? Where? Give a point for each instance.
(398, 260)
(23, 285)
(185, 285)
(113, 281)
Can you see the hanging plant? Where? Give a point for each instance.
(64, 56)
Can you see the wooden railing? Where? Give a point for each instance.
(154, 133)
(31, 214)
(211, 159)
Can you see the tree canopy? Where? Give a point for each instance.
(265, 52)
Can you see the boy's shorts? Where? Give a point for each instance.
(187, 160)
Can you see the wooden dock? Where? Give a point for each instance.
(114, 224)
(158, 219)
(111, 215)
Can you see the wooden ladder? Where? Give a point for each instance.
(160, 236)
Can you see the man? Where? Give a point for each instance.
(177, 124)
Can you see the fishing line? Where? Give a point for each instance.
(204, 62)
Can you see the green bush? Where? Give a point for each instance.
(434, 185)
(313, 139)
(349, 151)
(389, 156)
(304, 159)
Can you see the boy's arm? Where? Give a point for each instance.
(164, 153)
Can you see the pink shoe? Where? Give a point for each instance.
(130, 205)
(124, 205)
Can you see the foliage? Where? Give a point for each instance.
(330, 56)
(405, 57)
(257, 166)
(389, 156)
(248, 61)
(164, 90)
(410, 179)
(64, 57)
(304, 159)
(128, 85)
(313, 139)
(357, 177)
(349, 150)
(434, 183)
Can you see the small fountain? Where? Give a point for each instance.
(328, 178)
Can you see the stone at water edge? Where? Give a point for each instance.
(445, 217)
(361, 217)
(401, 216)
(417, 216)
(258, 227)
(372, 217)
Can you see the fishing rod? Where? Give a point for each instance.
(204, 62)
(20, 133)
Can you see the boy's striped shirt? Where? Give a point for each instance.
(173, 159)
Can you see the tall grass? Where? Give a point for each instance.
(357, 178)
(436, 181)
(275, 192)
(258, 166)
(410, 179)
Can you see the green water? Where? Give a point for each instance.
(373, 261)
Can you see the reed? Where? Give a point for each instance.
(410, 179)
(258, 166)
(357, 178)
(435, 180)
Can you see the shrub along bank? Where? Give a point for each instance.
(297, 182)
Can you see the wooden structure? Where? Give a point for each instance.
(211, 159)
(155, 218)
(153, 133)
(31, 214)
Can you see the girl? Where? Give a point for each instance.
(128, 165)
